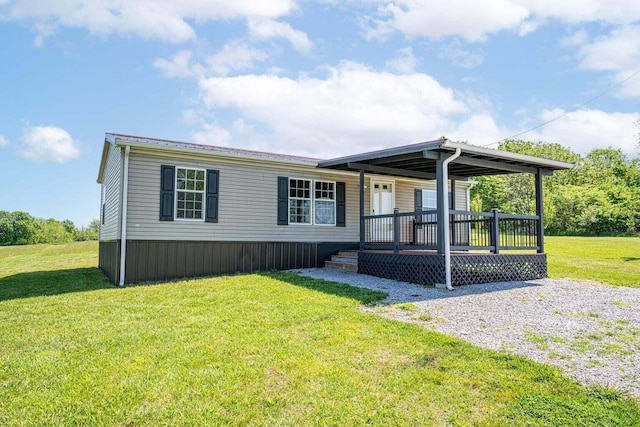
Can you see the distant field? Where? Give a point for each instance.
(261, 349)
(613, 260)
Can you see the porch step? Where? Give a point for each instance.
(344, 260)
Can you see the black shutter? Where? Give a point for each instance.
(418, 206)
(341, 205)
(283, 200)
(167, 183)
(211, 206)
(418, 199)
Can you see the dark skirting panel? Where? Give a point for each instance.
(152, 260)
(109, 259)
(466, 269)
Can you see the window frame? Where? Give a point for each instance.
(203, 192)
(333, 200)
(313, 199)
(311, 189)
(434, 193)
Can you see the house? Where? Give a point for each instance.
(173, 209)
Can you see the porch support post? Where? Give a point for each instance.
(362, 210)
(539, 212)
(441, 193)
(396, 230)
(452, 206)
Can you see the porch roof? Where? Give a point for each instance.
(419, 161)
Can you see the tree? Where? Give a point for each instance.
(52, 231)
(91, 232)
(6, 228)
(25, 228)
(70, 227)
(601, 195)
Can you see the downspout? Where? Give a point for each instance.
(445, 225)
(123, 227)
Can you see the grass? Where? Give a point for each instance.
(613, 260)
(260, 349)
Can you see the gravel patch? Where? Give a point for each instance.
(590, 330)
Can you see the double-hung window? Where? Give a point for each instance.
(325, 203)
(190, 193)
(299, 201)
(312, 202)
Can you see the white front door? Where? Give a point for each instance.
(382, 202)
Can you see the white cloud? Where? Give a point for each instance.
(179, 65)
(459, 56)
(352, 109)
(3, 141)
(236, 55)
(619, 53)
(578, 38)
(469, 19)
(266, 29)
(49, 144)
(43, 31)
(474, 20)
(578, 11)
(404, 62)
(585, 130)
(165, 20)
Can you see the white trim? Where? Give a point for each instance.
(334, 200)
(123, 230)
(289, 198)
(203, 192)
(313, 199)
(372, 183)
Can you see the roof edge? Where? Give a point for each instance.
(394, 151)
(103, 160)
(507, 155)
(210, 150)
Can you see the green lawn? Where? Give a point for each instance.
(269, 349)
(613, 260)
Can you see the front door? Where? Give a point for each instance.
(382, 202)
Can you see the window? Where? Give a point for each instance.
(189, 193)
(325, 203)
(299, 201)
(312, 204)
(429, 200)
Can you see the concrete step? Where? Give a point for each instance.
(348, 254)
(341, 266)
(344, 259)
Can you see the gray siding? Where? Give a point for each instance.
(111, 190)
(247, 208)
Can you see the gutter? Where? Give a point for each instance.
(445, 225)
(123, 227)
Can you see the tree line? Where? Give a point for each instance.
(600, 196)
(20, 228)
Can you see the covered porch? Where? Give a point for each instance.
(446, 245)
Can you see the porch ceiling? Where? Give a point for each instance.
(419, 161)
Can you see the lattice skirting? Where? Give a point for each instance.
(466, 269)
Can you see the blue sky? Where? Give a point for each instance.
(318, 78)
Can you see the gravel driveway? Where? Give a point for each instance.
(590, 330)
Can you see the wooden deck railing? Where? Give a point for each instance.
(468, 230)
